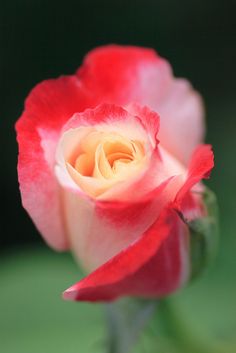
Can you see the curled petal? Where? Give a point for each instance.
(200, 166)
(100, 230)
(154, 266)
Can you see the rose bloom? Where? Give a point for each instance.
(110, 164)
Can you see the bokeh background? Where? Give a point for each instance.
(42, 39)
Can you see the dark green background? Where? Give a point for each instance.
(44, 39)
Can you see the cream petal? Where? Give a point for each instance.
(99, 160)
(84, 164)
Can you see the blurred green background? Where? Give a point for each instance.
(42, 39)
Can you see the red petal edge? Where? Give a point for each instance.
(49, 105)
(200, 166)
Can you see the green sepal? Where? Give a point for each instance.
(204, 235)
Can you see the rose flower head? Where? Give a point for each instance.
(110, 166)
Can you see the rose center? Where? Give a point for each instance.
(106, 156)
(98, 160)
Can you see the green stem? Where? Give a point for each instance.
(126, 320)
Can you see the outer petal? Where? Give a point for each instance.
(124, 74)
(157, 263)
(200, 166)
(154, 266)
(190, 204)
(48, 107)
(100, 231)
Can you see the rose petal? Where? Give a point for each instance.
(49, 105)
(125, 74)
(153, 266)
(200, 166)
(112, 118)
(100, 230)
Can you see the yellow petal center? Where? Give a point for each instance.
(100, 160)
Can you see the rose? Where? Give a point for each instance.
(99, 176)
